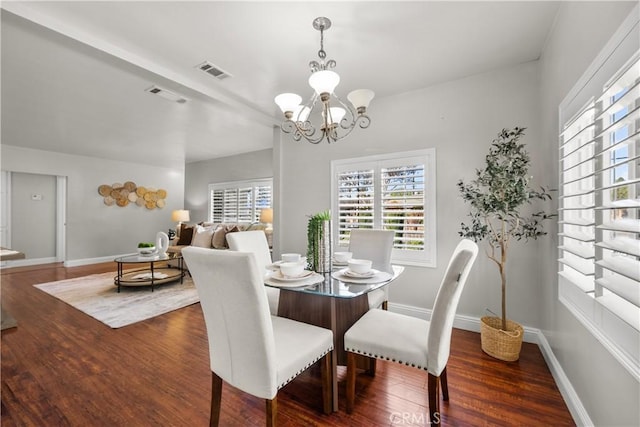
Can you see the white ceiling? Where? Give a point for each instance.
(74, 74)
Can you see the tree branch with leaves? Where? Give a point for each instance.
(497, 195)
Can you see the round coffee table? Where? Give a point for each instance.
(151, 275)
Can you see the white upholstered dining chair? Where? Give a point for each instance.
(415, 342)
(256, 241)
(248, 348)
(375, 245)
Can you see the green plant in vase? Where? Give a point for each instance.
(317, 240)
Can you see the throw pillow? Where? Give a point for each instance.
(232, 229)
(219, 237)
(186, 235)
(202, 237)
(219, 240)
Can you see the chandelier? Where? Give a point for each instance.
(334, 118)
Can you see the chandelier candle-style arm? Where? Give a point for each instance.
(337, 119)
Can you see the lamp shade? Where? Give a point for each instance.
(180, 215)
(335, 115)
(288, 102)
(266, 215)
(361, 97)
(301, 113)
(324, 81)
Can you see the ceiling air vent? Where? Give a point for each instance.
(214, 70)
(166, 94)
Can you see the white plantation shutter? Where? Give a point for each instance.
(390, 192)
(262, 199)
(245, 204)
(577, 200)
(355, 201)
(599, 203)
(403, 204)
(239, 202)
(617, 125)
(216, 203)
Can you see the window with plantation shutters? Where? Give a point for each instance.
(390, 192)
(617, 130)
(599, 206)
(239, 202)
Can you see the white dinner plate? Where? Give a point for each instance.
(279, 276)
(355, 275)
(378, 277)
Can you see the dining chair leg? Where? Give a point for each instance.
(272, 411)
(351, 380)
(327, 384)
(432, 390)
(444, 385)
(216, 398)
(371, 366)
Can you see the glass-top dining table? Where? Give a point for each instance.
(330, 300)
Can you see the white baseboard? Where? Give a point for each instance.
(531, 335)
(578, 411)
(27, 262)
(87, 261)
(70, 263)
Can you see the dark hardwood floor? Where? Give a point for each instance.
(61, 367)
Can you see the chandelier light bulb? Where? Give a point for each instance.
(288, 102)
(324, 81)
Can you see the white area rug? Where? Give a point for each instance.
(97, 296)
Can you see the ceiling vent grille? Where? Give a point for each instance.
(166, 94)
(214, 70)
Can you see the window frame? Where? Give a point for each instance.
(584, 292)
(254, 184)
(423, 258)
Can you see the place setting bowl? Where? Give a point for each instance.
(341, 258)
(293, 270)
(288, 258)
(359, 271)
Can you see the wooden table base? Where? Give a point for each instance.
(337, 314)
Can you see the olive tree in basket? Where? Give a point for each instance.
(497, 196)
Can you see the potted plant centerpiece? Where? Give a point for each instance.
(319, 243)
(497, 196)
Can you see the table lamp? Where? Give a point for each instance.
(179, 216)
(266, 217)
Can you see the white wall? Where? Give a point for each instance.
(608, 392)
(93, 229)
(198, 176)
(459, 119)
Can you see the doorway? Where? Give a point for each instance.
(33, 216)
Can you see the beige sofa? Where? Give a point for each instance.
(207, 235)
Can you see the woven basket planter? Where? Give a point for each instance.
(503, 345)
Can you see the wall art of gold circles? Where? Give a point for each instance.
(120, 194)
